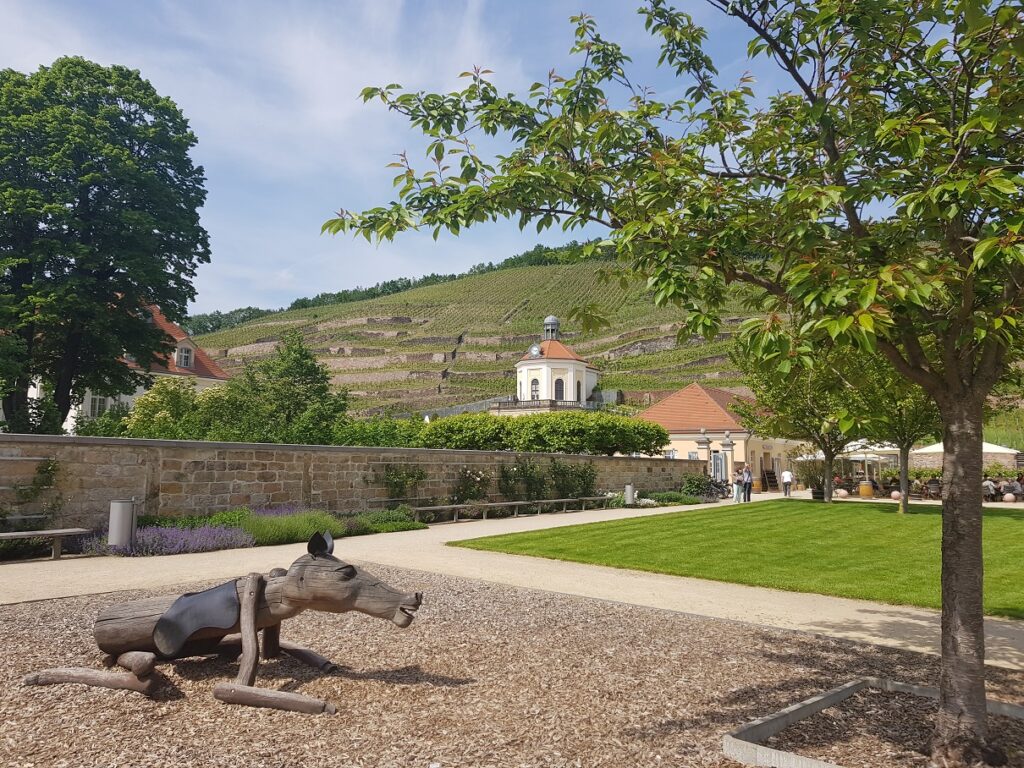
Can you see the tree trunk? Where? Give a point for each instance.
(67, 373)
(829, 474)
(904, 478)
(961, 728)
(15, 406)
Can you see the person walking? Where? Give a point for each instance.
(787, 482)
(737, 486)
(748, 482)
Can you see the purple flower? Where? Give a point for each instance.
(153, 540)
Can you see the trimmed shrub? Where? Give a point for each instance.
(232, 518)
(698, 485)
(356, 526)
(391, 520)
(469, 432)
(290, 529)
(382, 432)
(402, 514)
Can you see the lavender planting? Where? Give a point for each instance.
(154, 540)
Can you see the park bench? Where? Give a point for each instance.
(57, 535)
(515, 506)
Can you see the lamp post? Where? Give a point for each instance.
(704, 444)
(727, 445)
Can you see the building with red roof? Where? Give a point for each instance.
(702, 424)
(188, 359)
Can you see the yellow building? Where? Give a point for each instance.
(700, 419)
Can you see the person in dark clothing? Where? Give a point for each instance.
(748, 482)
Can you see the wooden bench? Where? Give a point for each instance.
(514, 505)
(57, 535)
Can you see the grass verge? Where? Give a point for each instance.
(858, 550)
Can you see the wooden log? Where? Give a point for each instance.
(247, 626)
(139, 663)
(122, 627)
(271, 645)
(308, 657)
(232, 693)
(95, 677)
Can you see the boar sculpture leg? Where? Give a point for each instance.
(138, 635)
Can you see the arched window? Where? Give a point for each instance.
(534, 389)
(559, 389)
(579, 391)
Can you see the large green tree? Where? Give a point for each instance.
(877, 198)
(99, 218)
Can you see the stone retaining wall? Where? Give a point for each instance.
(172, 477)
(934, 460)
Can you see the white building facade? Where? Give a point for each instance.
(550, 376)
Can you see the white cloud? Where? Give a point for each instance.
(271, 89)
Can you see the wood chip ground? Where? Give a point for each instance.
(487, 675)
(874, 728)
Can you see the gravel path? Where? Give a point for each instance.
(488, 675)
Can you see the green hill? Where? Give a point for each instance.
(457, 342)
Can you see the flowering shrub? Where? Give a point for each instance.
(154, 540)
(522, 481)
(401, 481)
(471, 484)
(638, 502)
(573, 481)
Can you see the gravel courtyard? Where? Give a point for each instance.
(487, 675)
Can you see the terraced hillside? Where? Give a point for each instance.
(455, 343)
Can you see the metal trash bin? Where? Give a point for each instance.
(629, 496)
(121, 531)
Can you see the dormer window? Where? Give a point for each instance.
(184, 357)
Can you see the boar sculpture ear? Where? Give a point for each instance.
(318, 545)
(321, 544)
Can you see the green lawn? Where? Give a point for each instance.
(848, 549)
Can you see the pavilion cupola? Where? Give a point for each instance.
(551, 327)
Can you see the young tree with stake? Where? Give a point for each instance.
(877, 200)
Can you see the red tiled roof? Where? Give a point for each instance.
(552, 349)
(694, 407)
(202, 364)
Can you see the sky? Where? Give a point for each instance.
(271, 90)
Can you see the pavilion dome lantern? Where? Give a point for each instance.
(551, 326)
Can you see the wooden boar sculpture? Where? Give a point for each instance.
(139, 634)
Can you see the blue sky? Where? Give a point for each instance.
(271, 88)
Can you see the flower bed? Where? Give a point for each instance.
(243, 527)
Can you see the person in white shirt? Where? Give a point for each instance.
(787, 482)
